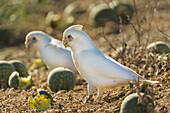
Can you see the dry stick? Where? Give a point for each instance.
(122, 43)
(123, 38)
(134, 3)
(104, 36)
(150, 22)
(139, 26)
(147, 40)
(111, 8)
(162, 32)
(138, 34)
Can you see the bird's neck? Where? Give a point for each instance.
(82, 47)
(43, 44)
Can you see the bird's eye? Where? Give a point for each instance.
(33, 38)
(70, 38)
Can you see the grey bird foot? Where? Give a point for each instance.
(98, 99)
(89, 98)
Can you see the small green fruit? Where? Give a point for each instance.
(74, 9)
(5, 71)
(14, 80)
(100, 13)
(130, 104)
(43, 92)
(123, 11)
(37, 63)
(20, 67)
(119, 11)
(61, 79)
(159, 47)
(21, 83)
(55, 20)
(41, 102)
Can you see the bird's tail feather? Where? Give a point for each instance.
(150, 81)
(140, 77)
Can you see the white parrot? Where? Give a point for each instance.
(51, 50)
(98, 69)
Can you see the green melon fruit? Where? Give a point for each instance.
(130, 104)
(159, 47)
(144, 87)
(43, 92)
(120, 12)
(5, 71)
(21, 83)
(14, 80)
(41, 102)
(55, 20)
(100, 13)
(75, 9)
(20, 67)
(37, 63)
(61, 79)
(123, 11)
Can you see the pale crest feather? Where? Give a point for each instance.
(78, 27)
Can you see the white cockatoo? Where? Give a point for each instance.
(51, 50)
(98, 69)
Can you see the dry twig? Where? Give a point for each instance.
(162, 32)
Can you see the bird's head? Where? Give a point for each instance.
(36, 39)
(75, 38)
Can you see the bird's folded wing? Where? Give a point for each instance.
(97, 64)
(137, 76)
(57, 44)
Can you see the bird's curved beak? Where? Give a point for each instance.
(65, 42)
(28, 44)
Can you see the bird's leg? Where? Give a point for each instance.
(99, 93)
(90, 91)
(87, 99)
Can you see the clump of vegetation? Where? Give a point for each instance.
(18, 17)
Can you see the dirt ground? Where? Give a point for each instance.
(136, 57)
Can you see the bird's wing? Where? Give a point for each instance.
(129, 69)
(98, 64)
(58, 44)
(134, 73)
